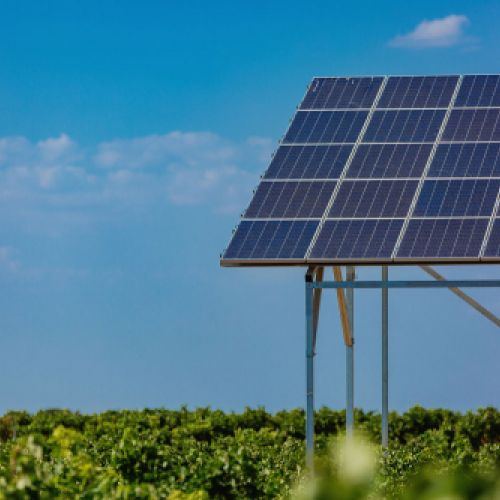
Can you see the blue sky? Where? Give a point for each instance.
(131, 137)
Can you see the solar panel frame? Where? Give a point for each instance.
(484, 124)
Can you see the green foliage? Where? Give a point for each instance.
(206, 453)
(351, 471)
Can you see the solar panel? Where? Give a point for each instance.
(339, 93)
(373, 198)
(444, 198)
(473, 125)
(290, 200)
(285, 240)
(389, 160)
(349, 239)
(446, 238)
(404, 125)
(479, 90)
(381, 170)
(308, 162)
(478, 159)
(418, 92)
(325, 126)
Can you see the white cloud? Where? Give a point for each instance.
(14, 150)
(55, 149)
(445, 32)
(226, 188)
(196, 167)
(191, 148)
(58, 178)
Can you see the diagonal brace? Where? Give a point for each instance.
(344, 318)
(466, 298)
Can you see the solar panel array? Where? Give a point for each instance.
(380, 170)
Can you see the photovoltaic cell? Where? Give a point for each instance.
(357, 239)
(308, 162)
(373, 199)
(326, 126)
(404, 126)
(473, 125)
(466, 160)
(418, 92)
(443, 238)
(341, 93)
(258, 240)
(290, 200)
(479, 90)
(389, 160)
(493, 246)
(441, 198)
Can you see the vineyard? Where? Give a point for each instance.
(207, 453)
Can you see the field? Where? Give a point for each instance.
(207, 453)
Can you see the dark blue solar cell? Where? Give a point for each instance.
(457, 198)
(373, 199)
(357, 239)
(418, 92)
(473, 125)
(260, 240)
(443, 238)
(389, 160)
(493, 245)
(326, 126)
(404, 126)
(308, 162)
(466, 160)
(290, 199)
(479, 90)
(341, 93)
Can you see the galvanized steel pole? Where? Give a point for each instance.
(309, 375)
(350, 276)
(385, 359)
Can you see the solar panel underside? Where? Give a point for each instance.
(381, 170)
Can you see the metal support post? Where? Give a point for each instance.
(350, 276)
(385, 359)
(309, 373)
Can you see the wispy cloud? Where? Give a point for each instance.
(444, 32)
(190, 148)
(59, 176)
